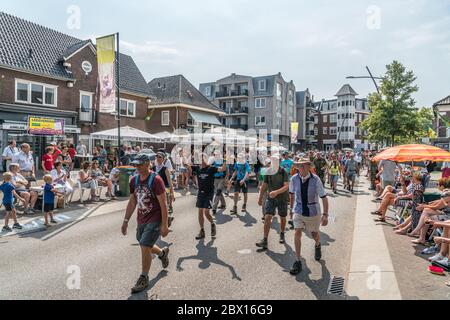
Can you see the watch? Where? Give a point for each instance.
(126, 220)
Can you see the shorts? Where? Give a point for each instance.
(272, 204)
(334, 178)
(9, 207)
(204, 201)
(238, 188)
(311, 224)
(351, 175)
(183, 170)
(49, 207)
(147, 234)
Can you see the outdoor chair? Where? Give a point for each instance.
(76, 184)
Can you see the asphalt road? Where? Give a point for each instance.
(39, 266)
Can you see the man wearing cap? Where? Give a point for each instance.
(241, 173)
(205, 194)
(148, 195)
(306, 189)
(276, 181)
(219, 184)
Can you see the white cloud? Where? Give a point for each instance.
(156, 49)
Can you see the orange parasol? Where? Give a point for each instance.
(414, 152)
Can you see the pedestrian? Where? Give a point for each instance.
(306, 189)
(276, 182)
(161, 169)
(386, 171)
(219, 184)
(240, 178)
(49, 201)
(9, 192)
(8, 154)
(65, 159)
(149, 196)
(206, 193)
(351, 170)
(20, 183)
(26, 163)
(334, 170)
(286, 163)
(320, 164)
(47, 160)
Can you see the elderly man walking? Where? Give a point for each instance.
(306, 189)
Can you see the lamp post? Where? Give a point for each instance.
(368, 77)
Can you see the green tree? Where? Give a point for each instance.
(393, 115)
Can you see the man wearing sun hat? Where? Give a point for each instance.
(306, 189)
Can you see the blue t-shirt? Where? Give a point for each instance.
(242, 170)
(49, 196)
(219, 164)
(287, 165)
(7, 189)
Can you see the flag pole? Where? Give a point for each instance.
(118, 96)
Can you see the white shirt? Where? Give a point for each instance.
(168, 165)
(56, 176)
(25, 161)
(9, 152)
(18, 177)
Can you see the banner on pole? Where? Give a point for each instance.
(106, 53)
(294, 132)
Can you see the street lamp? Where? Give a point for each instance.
(368, 77)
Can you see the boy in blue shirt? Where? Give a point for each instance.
(287, 163)
(241, 173)
(49, 200)
(9, 192)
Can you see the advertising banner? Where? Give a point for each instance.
(106, 53)
(45, 126)
(294, 132)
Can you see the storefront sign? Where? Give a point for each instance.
(45, 126)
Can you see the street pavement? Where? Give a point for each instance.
(43, 264)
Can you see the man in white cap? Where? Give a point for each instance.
(306, 189)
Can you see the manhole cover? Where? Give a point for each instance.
(336, 286)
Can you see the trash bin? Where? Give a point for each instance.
(124, 180)
(431, 196)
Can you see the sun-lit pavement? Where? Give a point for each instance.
(42, 265)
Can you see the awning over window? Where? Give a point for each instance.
(204, 118)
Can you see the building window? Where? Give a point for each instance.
(260, 121)
(333, 131)
(262, 85)
(208, 91)
(35, 93)
(333, 118)
(127, 108)
(85, 101)
(260, 103)
(165, 118)
(325, 130)
(291, 97)
(325, 119)
(279, 91)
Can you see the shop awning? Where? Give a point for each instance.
(204, 118)
(127, 134)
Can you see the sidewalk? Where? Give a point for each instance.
(371, 275)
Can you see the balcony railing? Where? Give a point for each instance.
(234, 93)
(309, 119)
(222, 94)
(239, 126)
(86, 115)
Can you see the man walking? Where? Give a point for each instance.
(241, 173)
(351, 170)
(320, 164)
(306, 189)
(149, 196)
(219, 183)
(276, 181)
(205, 195)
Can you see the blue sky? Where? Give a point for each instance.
(315, 43)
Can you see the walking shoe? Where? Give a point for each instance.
(201, 235)
(169, 221)
(262, 244)
(436, 257)
(443, 262)
(318, 253)
(234, 210)
(222, 207)
(6, 229)
(291, 223)
(53, 221)
(296, 268)
(213, 230)
(214, 211)
(430, 250)
(244, 208)
(165, 257)
(141, 284)
(282, 239)
(17, 226)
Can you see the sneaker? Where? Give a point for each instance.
(291, 223)
(282, 238)
(244, 208)
(6, 229)
(430, 250)
(214, 211)
(213, 230)
(141, 284)
(53, 221)
(436, 257)
(296, 268)
(318, 253)
(201, 235)
(17, 226)
(262, 244)
(165, 258)
(234, 210)
(443, 262)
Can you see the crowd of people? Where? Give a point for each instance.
(402, 187)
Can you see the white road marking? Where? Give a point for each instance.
(245, 251)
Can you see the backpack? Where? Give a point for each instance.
(149, 183)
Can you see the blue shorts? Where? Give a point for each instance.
(9, 207)
(148, 234)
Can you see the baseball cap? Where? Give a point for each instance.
(142, 158)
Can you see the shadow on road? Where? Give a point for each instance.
(207, 255)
